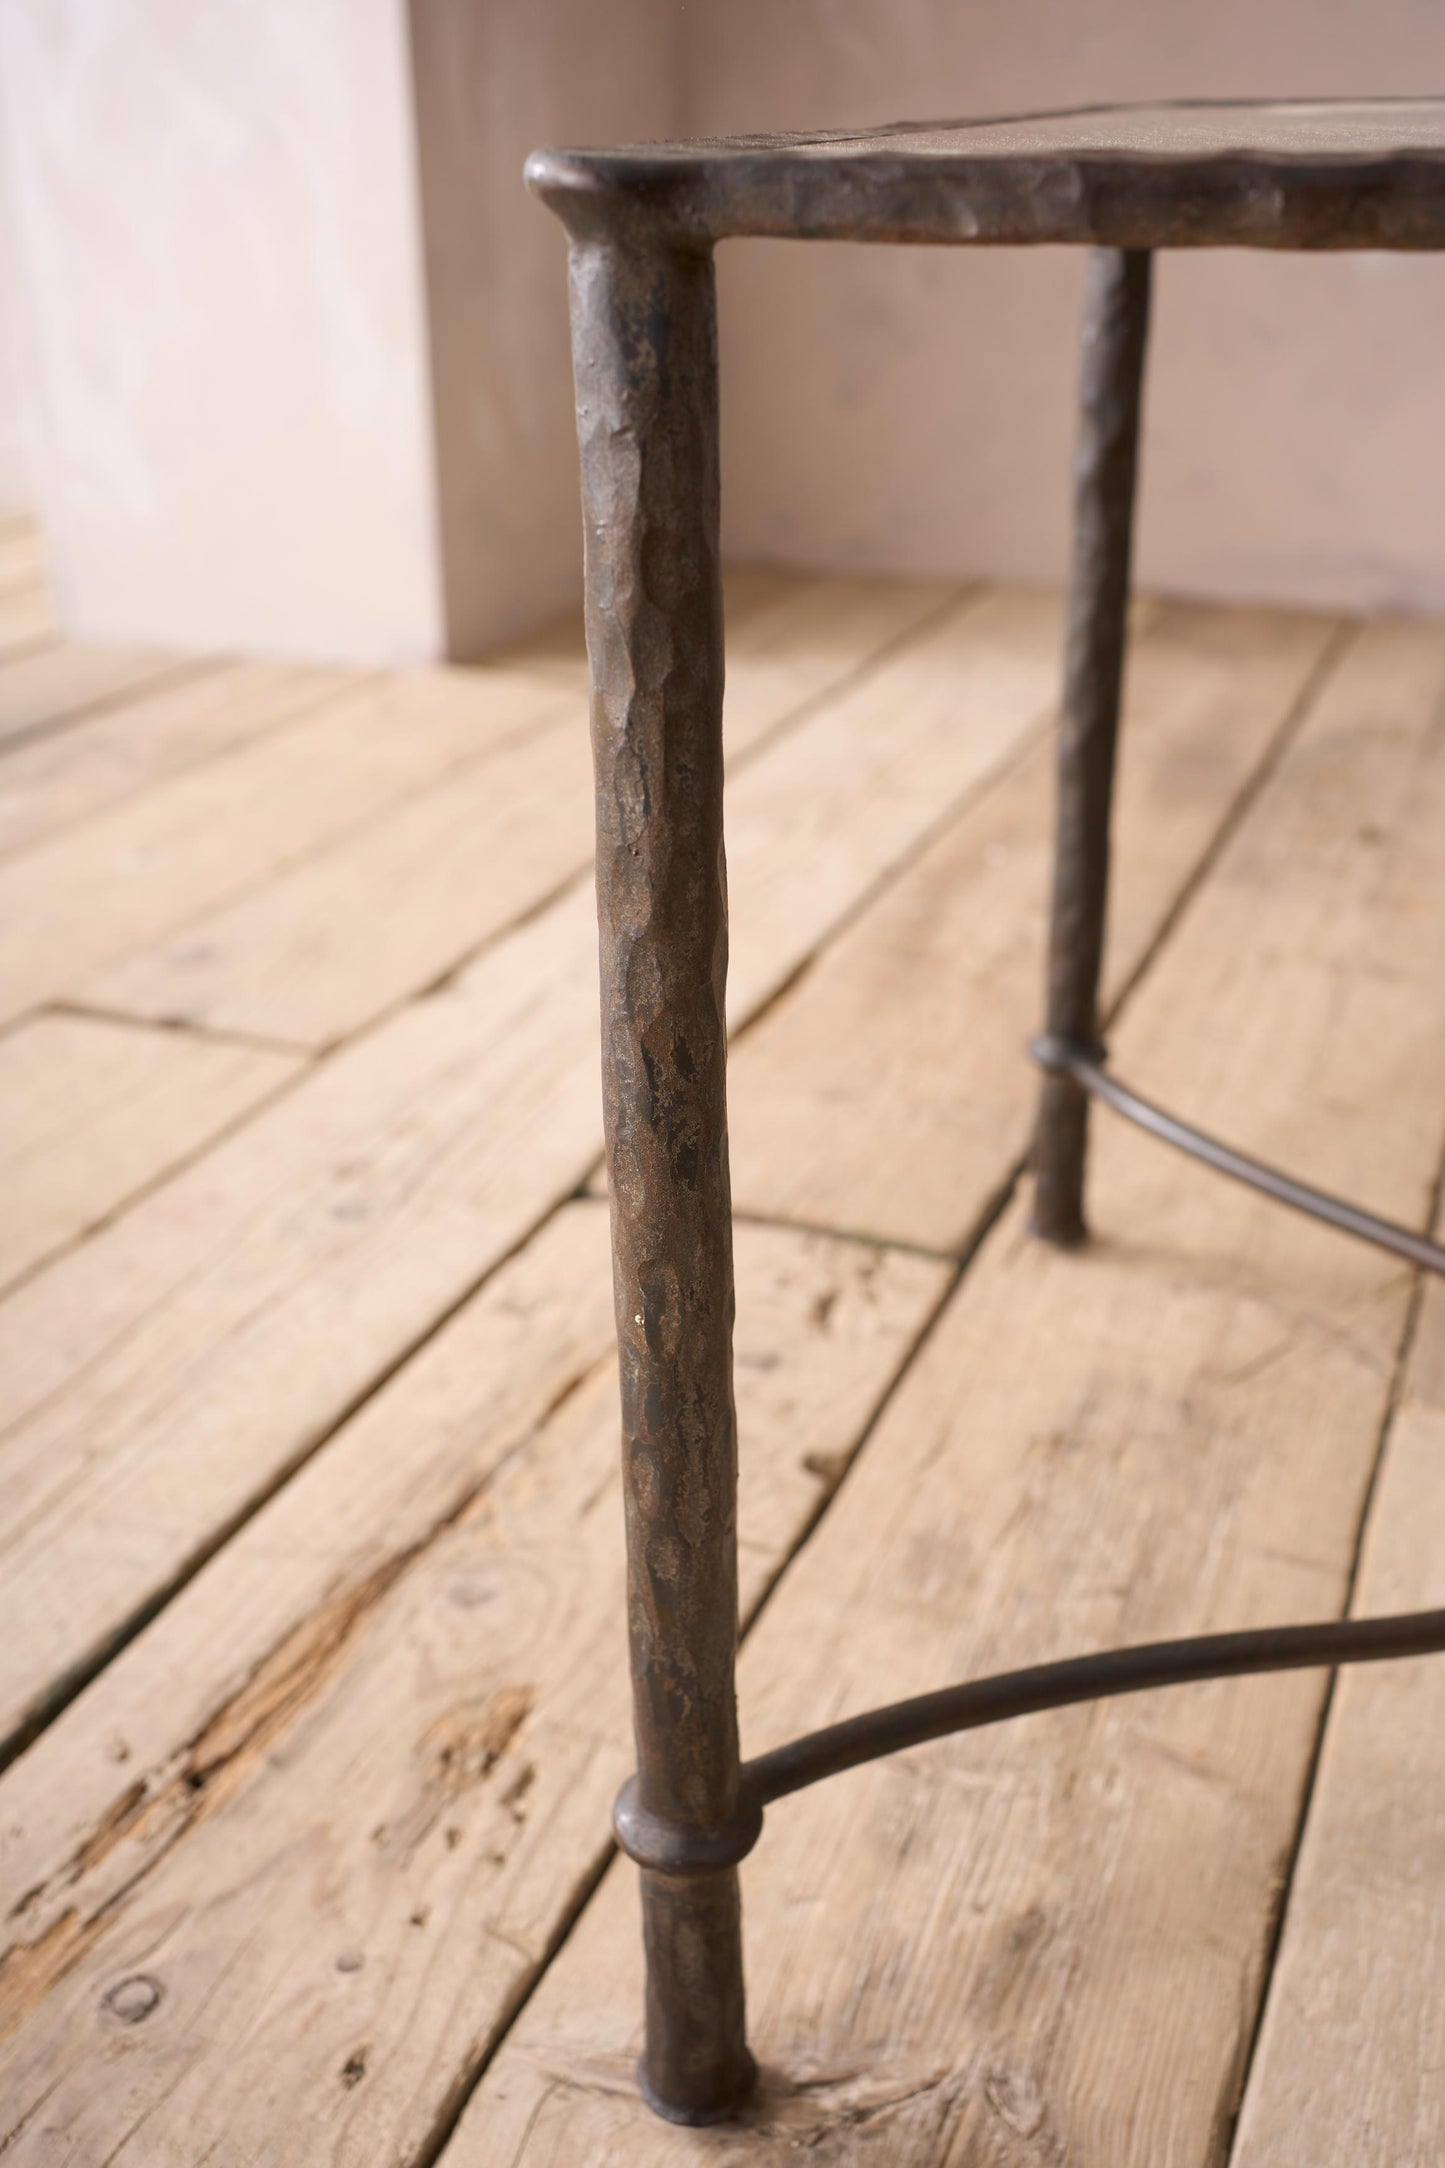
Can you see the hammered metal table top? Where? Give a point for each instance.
(1309, 174)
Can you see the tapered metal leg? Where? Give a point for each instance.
(1116, 320)
(645, 347)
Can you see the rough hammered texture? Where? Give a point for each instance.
(1324, 174)
(1116, 325)
(645, 354)
(643, 223)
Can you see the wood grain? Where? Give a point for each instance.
(92, 1112)
(312, 955)
(53, 684)
(336, 1802)
(162, 1380)
(102, 889)
(22, 560)
(459, 862)
(1348, 2070)
(53, 782)
(846, 797)
(378, 1492)
(336, 1892)
(26, 617)
(891, 1087)
(1047, 1943)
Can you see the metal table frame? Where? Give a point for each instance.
(642, 226)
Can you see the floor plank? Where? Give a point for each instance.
(22, 558)
(280, 1874)
(92, 1112)
(162, 1378)
(26, 617)
(312, 955)
(461, 861)
(103, 889)
(375, 1495)
(362, 1860)
(1046, 1943)
(54, 782)
(559, 647)
(890, 1087)
(54, 684)
(197, 1349)
(1352, 2048)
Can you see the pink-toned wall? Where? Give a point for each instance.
(492, 79)
(299, 336)
(216, 232)
(295, 347)
(912, 410)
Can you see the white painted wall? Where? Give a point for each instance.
(215, 210)
(912, 410)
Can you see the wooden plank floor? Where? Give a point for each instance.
(312, 1689)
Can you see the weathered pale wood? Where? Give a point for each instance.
(1046, 1943)
(104, 888)
(342, 1883)
(22, 560)
(331, 1540)
(92, 1112)
(1348, 2072)
(26, 616)
(1312, 1326)
(53, 684)
(315, 953)
(794, 641)
(459, 862)
(889, 1088)
(73, 774)
(816, 822)
(162, 1378)
(559, 647)
(159, 1381)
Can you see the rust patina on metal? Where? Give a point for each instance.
(646, 370)
(643, 223)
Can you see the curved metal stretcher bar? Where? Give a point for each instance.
(671, 1849)
(1088, 1071)
(1086, 1678)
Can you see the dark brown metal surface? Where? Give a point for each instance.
(1322, 176)
(642, 224)
(1088, 1678)
(977, 1703)
(645, 353)
(1116, 323)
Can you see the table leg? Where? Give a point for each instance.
(645, 351)
(1116, 322)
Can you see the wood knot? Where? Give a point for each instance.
(133, 1999)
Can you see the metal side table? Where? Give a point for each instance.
(643, 224)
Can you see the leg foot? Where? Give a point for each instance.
(696, 2067)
